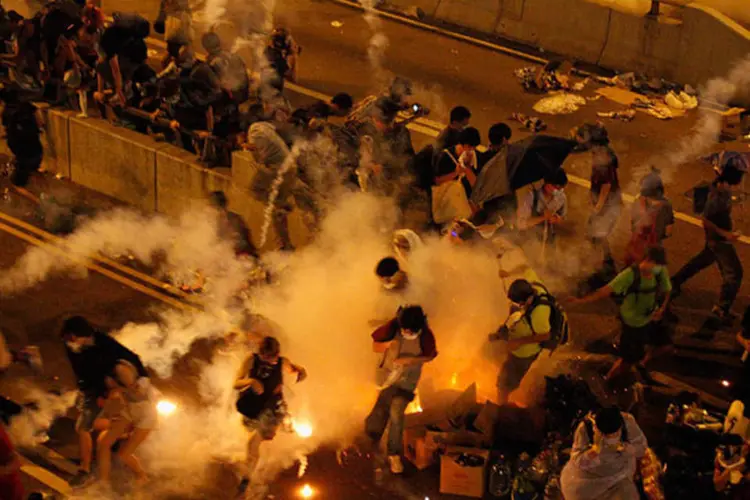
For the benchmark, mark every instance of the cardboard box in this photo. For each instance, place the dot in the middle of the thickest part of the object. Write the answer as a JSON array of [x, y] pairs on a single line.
[[440, 440], [416, 450], [487, 418], [464, 481]]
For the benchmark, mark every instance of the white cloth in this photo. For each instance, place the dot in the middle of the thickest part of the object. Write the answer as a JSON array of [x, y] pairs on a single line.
[[610, 474]]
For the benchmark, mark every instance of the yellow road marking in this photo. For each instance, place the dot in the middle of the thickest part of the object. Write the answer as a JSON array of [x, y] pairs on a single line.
[[46, 477], [99, 258], [95, 267]]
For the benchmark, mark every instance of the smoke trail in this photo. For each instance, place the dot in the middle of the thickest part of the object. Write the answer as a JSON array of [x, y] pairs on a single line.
[[378, 43], [281, 176], [29, 429], [707, 130]]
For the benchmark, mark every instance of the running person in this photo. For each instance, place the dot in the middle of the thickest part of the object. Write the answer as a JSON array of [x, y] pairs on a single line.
[[260, 383], [135, 417]]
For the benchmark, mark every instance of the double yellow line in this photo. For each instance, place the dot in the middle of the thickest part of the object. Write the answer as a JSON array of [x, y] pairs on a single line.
[[127, 276]]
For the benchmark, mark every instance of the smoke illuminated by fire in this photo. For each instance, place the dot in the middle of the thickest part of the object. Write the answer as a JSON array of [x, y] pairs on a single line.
[[415, 406]]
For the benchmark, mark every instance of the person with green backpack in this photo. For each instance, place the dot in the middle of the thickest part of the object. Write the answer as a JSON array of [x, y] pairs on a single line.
[[643, 291]]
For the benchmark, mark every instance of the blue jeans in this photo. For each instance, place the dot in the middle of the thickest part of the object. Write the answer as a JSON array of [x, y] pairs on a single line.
[[389, 411]]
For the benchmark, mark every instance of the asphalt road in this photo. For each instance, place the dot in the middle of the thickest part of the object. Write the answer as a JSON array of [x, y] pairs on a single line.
[[451, 72]]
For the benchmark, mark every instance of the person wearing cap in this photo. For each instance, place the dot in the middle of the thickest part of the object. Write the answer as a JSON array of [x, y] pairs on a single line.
[[93, 357], [644, 290], [406, 343], [719, 247], [603, 461], [651, 218]]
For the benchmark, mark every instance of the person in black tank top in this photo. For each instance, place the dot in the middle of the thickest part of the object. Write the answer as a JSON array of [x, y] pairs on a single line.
[[260, 383]]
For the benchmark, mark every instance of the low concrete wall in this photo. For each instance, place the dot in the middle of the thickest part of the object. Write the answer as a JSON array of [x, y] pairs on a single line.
[[428, 7], [643, 44], [711, 45], [115, 161], [479, 15], [572, 27]]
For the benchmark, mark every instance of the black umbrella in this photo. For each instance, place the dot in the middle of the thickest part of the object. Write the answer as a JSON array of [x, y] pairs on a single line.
[[531, 159]]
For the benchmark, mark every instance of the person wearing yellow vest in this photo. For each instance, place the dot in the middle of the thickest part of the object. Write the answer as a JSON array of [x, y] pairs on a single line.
[[536, 321]]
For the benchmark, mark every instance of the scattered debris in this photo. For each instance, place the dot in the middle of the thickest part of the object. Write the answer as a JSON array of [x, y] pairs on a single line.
[[681, 100], [337, 24], [626, 115], [529, 122], [561, 103], [555, 75], [578, 87]]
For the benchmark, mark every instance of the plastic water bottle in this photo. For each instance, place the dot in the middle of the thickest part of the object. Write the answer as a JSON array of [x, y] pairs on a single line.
[[501, 479]]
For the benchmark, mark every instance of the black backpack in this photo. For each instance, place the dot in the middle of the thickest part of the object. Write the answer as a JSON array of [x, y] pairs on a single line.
[[559, 332]]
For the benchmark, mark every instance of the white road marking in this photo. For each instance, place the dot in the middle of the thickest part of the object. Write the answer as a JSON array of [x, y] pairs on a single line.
[[46, 477]]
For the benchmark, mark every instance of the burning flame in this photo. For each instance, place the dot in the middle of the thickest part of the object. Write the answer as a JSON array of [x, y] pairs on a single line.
[[306, 491], [454, 380], [165, 407], [302, 429], [415, 406]]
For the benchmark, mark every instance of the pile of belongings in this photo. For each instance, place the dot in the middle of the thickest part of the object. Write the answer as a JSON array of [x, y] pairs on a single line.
[[555, 75]]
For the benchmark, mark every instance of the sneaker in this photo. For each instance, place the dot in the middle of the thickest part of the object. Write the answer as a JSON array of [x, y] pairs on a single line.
[[725, 316], [243, 486], [394, 461], [81, 479]]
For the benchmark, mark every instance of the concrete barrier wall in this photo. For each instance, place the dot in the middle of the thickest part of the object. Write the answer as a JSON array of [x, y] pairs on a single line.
[[115, 161], [479, 15], [428, 7], [711, 45], [575, 28], [642, 44]]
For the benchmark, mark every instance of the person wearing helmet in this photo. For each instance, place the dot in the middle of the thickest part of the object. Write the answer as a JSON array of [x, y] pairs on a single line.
[[652, 218], [260, 383]]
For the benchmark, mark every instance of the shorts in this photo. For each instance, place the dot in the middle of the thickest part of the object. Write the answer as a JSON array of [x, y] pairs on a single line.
[[633, 341], [142, 415], [89, 412], [267, 424]]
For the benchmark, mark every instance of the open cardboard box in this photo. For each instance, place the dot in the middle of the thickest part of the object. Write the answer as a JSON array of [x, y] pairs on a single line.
[[456, 479]]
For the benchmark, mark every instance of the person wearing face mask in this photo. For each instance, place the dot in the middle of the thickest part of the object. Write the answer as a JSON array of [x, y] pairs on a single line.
[[260, 383], [407, 343], [93, 357], [536, 321], [603, 460], [391, 276], [541, 210], [643, 291]]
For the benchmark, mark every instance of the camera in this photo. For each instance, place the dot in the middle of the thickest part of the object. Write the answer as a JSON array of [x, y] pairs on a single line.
[[419, 110]]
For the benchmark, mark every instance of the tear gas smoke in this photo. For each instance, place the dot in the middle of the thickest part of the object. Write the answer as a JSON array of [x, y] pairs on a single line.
[[378, 43], [288, 167], [29, 429], [706, 132]]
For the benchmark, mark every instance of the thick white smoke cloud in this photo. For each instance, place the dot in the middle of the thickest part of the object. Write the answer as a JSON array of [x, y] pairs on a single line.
[[29, 428]]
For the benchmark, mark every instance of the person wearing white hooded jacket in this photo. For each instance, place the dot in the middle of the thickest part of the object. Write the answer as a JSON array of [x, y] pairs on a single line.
[[604, 458]]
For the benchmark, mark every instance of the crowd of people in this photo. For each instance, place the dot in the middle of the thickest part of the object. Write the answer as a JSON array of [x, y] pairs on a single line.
[[67, 53]]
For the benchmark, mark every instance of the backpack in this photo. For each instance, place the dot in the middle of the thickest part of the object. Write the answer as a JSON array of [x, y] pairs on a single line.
[[635, 286], [559, 332]]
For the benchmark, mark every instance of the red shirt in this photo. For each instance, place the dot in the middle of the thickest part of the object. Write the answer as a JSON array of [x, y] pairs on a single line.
[[11, 487], [387, 332]]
